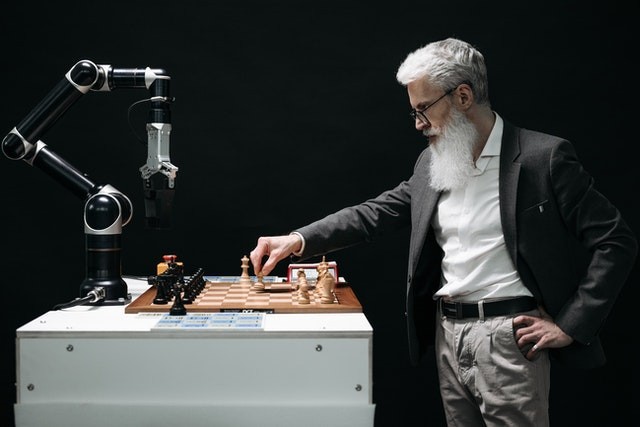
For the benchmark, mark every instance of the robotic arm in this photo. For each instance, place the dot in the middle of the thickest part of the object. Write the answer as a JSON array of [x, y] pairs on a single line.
[[107, 210], [158, 174]]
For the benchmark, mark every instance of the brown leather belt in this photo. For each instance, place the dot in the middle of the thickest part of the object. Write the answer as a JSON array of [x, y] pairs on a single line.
[[464, 310]]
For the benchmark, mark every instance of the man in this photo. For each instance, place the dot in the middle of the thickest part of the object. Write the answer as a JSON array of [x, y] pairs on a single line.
[[514, 256]]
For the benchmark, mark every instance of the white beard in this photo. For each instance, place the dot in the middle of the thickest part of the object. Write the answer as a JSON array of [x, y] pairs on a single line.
[[452, 154]]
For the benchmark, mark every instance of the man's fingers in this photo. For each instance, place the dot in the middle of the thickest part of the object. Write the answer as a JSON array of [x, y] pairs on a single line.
[[258, 253], [276, 248], [269, 265]]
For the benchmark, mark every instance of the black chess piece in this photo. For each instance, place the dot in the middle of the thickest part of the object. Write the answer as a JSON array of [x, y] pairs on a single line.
[[178, 308], [194, 286], [161, 289], [187, 295]]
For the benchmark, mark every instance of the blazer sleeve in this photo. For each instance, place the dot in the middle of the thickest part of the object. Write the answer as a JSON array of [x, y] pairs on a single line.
[[609, 242], [387, 213]]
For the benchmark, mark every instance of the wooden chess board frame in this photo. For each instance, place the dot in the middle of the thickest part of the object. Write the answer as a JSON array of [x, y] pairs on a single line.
[[345, 301]]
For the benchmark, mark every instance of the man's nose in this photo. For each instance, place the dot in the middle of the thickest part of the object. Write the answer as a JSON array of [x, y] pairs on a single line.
[[420, 125]]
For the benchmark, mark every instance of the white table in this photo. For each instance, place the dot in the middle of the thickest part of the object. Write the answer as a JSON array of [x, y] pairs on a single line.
[[97, 366]]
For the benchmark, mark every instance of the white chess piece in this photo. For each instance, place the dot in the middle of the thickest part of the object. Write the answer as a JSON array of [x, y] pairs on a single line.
[[245, 279], [325, 283], [259, 284], [303, 288]]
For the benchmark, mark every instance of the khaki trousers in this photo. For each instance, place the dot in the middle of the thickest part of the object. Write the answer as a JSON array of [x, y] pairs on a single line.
[[485, 380]]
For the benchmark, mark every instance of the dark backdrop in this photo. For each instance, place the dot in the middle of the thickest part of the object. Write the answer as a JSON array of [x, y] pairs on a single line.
[[289, 110]]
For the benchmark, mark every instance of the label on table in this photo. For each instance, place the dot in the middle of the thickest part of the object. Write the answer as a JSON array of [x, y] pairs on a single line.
[[211, 321]]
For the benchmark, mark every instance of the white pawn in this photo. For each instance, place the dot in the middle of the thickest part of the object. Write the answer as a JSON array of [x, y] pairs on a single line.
[[259, 284]]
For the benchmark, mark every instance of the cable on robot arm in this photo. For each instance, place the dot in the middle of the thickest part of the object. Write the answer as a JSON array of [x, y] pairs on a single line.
[[139, 102]]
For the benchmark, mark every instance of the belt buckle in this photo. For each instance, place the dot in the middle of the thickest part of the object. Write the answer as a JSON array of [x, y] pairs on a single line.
[[454, 312]]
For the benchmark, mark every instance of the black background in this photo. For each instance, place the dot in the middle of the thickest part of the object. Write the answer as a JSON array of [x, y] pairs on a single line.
[[286, 111]]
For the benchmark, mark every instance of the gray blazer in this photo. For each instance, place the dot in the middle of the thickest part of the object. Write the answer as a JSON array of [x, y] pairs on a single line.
[[569, 244]]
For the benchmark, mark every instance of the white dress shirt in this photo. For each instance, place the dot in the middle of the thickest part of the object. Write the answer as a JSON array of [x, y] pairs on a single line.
[[476, 265]]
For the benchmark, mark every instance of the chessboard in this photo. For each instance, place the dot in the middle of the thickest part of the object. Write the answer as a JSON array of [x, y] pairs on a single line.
[[276, 297]]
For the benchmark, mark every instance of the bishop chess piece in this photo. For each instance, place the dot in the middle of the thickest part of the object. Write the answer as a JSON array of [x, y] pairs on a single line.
[[303, 288]]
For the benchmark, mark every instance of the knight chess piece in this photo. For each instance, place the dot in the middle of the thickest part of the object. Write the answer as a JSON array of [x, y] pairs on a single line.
[[326, 282]]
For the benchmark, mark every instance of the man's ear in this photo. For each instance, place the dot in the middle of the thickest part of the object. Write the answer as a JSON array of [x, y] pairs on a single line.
[[463, 96]]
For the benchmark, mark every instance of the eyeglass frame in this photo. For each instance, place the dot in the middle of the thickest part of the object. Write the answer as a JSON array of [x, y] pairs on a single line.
[[420, 114]]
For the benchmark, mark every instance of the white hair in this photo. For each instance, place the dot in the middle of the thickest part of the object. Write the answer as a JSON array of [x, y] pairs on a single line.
[[446, 64]]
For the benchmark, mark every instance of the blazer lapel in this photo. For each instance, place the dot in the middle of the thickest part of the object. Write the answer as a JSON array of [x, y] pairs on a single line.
[[426, 202], [508, 187]]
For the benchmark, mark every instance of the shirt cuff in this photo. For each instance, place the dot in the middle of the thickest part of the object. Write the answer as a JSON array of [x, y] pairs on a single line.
[[301, 251]]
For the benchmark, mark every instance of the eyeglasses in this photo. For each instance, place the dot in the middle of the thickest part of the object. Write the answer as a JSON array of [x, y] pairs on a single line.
[[421, 114]]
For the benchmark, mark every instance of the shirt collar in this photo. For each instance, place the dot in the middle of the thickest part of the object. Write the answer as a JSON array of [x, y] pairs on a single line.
[[492, 147]]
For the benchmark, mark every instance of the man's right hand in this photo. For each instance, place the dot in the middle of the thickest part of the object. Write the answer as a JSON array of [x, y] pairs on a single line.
[[276, 248]]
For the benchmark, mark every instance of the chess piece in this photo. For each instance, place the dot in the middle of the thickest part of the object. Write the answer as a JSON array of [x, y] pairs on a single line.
[[321, 270], [161, 289], [259, 284], [326, 282], [178, 308], [245, 279], [168, 260], [303, 288], [192, 287]]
